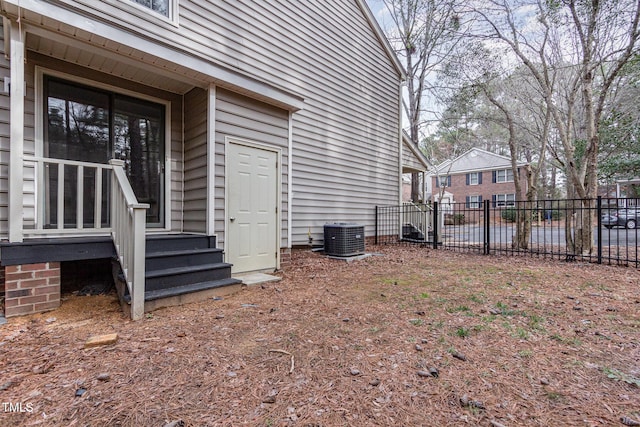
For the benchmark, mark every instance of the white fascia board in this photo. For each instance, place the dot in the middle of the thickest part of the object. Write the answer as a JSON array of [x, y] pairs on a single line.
[[382, 38], [416, 152], [217, 73]]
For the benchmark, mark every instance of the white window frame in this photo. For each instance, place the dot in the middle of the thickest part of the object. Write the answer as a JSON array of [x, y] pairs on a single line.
[[505, 200], [144, 12], [41, 72], [444, 181], [474, 202], [474, 178], [507, 175]]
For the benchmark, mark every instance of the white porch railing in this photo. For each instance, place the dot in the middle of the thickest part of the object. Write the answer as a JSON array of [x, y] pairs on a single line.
[[50, 217], [419, 216], [128, 225], [125, 220]]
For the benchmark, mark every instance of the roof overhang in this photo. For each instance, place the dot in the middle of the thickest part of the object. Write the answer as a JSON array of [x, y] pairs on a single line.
[[417, 154], [46, 19]]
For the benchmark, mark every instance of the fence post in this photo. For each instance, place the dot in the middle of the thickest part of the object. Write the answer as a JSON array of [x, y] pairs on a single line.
[[376, 225], [599, 230], [487, 229], [436, 222]]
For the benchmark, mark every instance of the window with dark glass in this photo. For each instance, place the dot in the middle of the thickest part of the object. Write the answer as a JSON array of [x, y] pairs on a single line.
[[502, 200]]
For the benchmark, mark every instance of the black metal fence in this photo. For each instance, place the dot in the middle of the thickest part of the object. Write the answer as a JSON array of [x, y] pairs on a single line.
[[598, 230]]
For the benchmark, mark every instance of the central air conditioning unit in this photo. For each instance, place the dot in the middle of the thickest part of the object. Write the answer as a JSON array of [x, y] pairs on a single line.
[[343, 239]]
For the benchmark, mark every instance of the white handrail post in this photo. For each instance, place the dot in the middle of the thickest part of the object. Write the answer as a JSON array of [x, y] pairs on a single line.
[[137, 293], [128, 226]]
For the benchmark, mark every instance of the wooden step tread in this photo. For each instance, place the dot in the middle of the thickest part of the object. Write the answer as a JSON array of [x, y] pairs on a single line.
[[182, 252], [185, 289], [185, 270]]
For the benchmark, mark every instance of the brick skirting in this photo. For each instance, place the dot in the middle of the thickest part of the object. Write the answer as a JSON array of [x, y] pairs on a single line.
[[31, 288]]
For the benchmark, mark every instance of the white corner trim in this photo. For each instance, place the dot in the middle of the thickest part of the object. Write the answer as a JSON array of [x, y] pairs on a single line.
[[211, 161], [16, 134]]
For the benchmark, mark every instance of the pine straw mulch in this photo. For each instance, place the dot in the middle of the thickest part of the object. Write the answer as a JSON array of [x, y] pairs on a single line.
[[513, 341]]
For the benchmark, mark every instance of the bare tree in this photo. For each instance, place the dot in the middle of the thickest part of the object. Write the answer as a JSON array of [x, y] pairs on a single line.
[[504, 97], [575, 50], [424, 32]]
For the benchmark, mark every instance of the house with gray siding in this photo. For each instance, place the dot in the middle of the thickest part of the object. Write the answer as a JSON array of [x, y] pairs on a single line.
[[184, 141]]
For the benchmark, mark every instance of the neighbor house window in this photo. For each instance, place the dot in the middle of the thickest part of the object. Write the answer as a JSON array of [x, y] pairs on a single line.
[[503, 175], [443, 181], [474, 202], [474, 178], [503, 200], [163, 7]]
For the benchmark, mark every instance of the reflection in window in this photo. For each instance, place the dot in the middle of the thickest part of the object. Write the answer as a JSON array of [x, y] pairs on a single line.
[[159, 6], [501, 200], [93, 126], [504, 175]]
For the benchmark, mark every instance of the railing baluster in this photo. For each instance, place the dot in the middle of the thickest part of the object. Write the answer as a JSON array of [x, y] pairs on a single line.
[[60, 194], [80, 198], [41, 203], [97, 204]]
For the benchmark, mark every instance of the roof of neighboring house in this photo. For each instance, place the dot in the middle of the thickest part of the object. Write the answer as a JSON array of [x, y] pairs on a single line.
[[474, 160], [628, 181], [413, 160]]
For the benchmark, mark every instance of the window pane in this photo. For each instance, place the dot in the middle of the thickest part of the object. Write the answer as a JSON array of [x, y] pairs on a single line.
[[89, 125], [160, 6], [139, 141], [77, 129], [77, 123]]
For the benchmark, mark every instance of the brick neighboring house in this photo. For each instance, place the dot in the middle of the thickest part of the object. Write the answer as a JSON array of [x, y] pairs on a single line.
[[478, 175]]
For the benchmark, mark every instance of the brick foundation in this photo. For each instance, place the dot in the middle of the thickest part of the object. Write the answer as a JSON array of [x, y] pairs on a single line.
[[31, 288]]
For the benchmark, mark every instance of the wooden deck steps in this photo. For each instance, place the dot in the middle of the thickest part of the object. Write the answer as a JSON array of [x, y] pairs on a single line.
[[181, 268]]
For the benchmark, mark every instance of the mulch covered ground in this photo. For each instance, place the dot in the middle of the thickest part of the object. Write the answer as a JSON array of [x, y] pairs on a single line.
[[410, 337]]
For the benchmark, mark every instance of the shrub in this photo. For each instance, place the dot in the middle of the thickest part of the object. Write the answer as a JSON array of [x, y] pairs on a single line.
[[454, 219], [509, 214]]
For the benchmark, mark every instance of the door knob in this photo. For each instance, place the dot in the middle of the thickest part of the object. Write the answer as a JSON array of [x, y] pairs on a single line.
[[232, 218]]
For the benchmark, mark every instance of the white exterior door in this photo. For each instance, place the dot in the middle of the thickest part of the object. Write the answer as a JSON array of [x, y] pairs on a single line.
[[252, 234]]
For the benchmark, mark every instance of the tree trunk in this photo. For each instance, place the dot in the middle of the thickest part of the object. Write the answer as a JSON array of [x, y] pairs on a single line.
[[415, 188]]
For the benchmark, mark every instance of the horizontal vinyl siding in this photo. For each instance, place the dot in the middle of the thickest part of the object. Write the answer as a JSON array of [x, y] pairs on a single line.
[[346, 155], [4, 143], [345, 158], [176, 162], [243, 118], [345, 145], [195, 161]]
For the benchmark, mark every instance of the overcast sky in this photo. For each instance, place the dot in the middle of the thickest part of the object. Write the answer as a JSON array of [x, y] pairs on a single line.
[[380, 11]]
